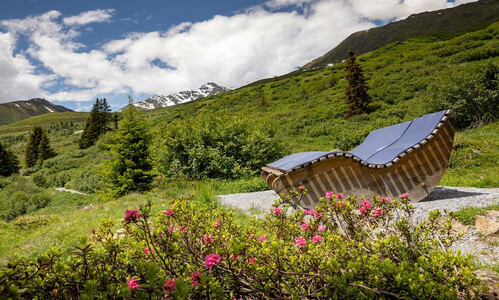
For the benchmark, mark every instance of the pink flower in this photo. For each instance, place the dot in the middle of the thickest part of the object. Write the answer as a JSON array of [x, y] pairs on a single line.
[[366, 204], [339, 196], [316, 214], [132, 215], [235, 257], [362, 210], [404, 196], [211, 260], [168, 212], [276, 210], [195, 279], [306, 212], [132, 283], [300, 242], [182, 229], [250, 260], [377, 212], [208, 239], [262, 238], [170, 229], [170, 285], [316, 239], [217, 223], [147, 251], [301, 188], [321, 228], [329, 194], [384, 199], [304, 226], [340, 204]]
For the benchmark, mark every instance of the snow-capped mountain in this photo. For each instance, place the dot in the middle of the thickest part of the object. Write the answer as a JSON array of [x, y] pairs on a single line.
[[158, 101]]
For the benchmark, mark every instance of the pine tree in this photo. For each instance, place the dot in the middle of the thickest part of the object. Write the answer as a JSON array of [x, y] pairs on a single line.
[[97, 123], [9, 164], [44, 150], [31, 152], [130, 166], [357, 97]]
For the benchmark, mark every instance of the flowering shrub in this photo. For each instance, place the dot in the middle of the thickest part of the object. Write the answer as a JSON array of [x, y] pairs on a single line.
[[358, 250]]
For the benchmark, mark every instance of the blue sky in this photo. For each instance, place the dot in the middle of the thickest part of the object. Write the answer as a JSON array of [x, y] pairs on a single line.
[[71, 52]]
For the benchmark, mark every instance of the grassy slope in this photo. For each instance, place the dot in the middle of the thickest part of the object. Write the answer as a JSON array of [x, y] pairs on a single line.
[[44, 120]]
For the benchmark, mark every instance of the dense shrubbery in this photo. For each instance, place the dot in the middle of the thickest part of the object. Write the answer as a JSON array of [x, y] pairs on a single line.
[[215, 147], [472, 94], [341, 249], [20, 197]]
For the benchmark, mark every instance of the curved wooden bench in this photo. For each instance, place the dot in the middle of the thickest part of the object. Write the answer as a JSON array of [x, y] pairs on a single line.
[[409, 157]]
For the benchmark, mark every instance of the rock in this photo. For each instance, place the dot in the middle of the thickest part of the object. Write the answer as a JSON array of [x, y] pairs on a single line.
[[88, 207], [492, 213], [491, 280], [459, 227], [487, 225]]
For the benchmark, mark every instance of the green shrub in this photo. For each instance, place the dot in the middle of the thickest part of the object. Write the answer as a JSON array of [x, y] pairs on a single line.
[[20, 197], [472, 94], [215, 147], [341, 249]]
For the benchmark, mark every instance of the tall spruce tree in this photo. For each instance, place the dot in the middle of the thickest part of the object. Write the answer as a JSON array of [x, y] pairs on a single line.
[[97, 123], [130, 166], [357, 97], [32, 154], [9, 164]]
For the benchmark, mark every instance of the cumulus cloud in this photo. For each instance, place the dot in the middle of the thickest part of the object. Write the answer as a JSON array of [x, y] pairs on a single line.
[[262, 41], [92, 16]]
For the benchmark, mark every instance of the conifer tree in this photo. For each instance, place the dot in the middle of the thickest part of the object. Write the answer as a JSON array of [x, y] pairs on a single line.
[[38, 140], [357, 97], [9, 164], [130, 166], [97, 123]]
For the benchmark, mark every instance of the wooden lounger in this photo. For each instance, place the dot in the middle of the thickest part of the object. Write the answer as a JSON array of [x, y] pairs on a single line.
[[409, 157]]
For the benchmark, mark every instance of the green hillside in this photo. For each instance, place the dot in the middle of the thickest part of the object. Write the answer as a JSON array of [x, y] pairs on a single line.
[[45, 120], [445, 22]]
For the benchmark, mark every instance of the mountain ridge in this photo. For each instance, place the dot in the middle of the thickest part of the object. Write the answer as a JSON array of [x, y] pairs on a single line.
[[159, 101], [462, 18], [23, 109]]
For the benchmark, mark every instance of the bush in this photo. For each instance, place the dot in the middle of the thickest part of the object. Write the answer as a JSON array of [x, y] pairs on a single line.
[[473, 95], [20, 197], [341, 249], [215, 147]]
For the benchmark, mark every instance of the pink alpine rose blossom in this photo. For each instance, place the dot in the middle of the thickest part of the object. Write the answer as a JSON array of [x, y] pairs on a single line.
[[329, 194], [339, 196], [404, 196], [195, 279], [276, 210], [366, 204], [340, 204], [362, 210], [217, 223], [300, 242], [170, 285], [377, 212], [132, 283], [211, 260], [182, 229], [235, 257], [384, 199], [304, 226], [321, 228], [168, 212], [250, 260], [207, 239], [316, 239], [170, 229], [147, 251], [262, 238], [131, 215]]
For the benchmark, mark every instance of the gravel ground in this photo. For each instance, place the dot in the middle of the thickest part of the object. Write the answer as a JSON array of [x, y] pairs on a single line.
[[449, 198]]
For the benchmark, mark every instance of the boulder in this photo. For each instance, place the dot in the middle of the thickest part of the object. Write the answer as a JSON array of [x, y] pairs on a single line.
[[487, 225]]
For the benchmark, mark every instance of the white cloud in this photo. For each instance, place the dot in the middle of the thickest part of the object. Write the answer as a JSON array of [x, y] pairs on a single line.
[[92, 16], [229, 50]]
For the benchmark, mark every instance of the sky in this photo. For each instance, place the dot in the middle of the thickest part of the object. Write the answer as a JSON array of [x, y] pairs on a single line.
[[71, 52]]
